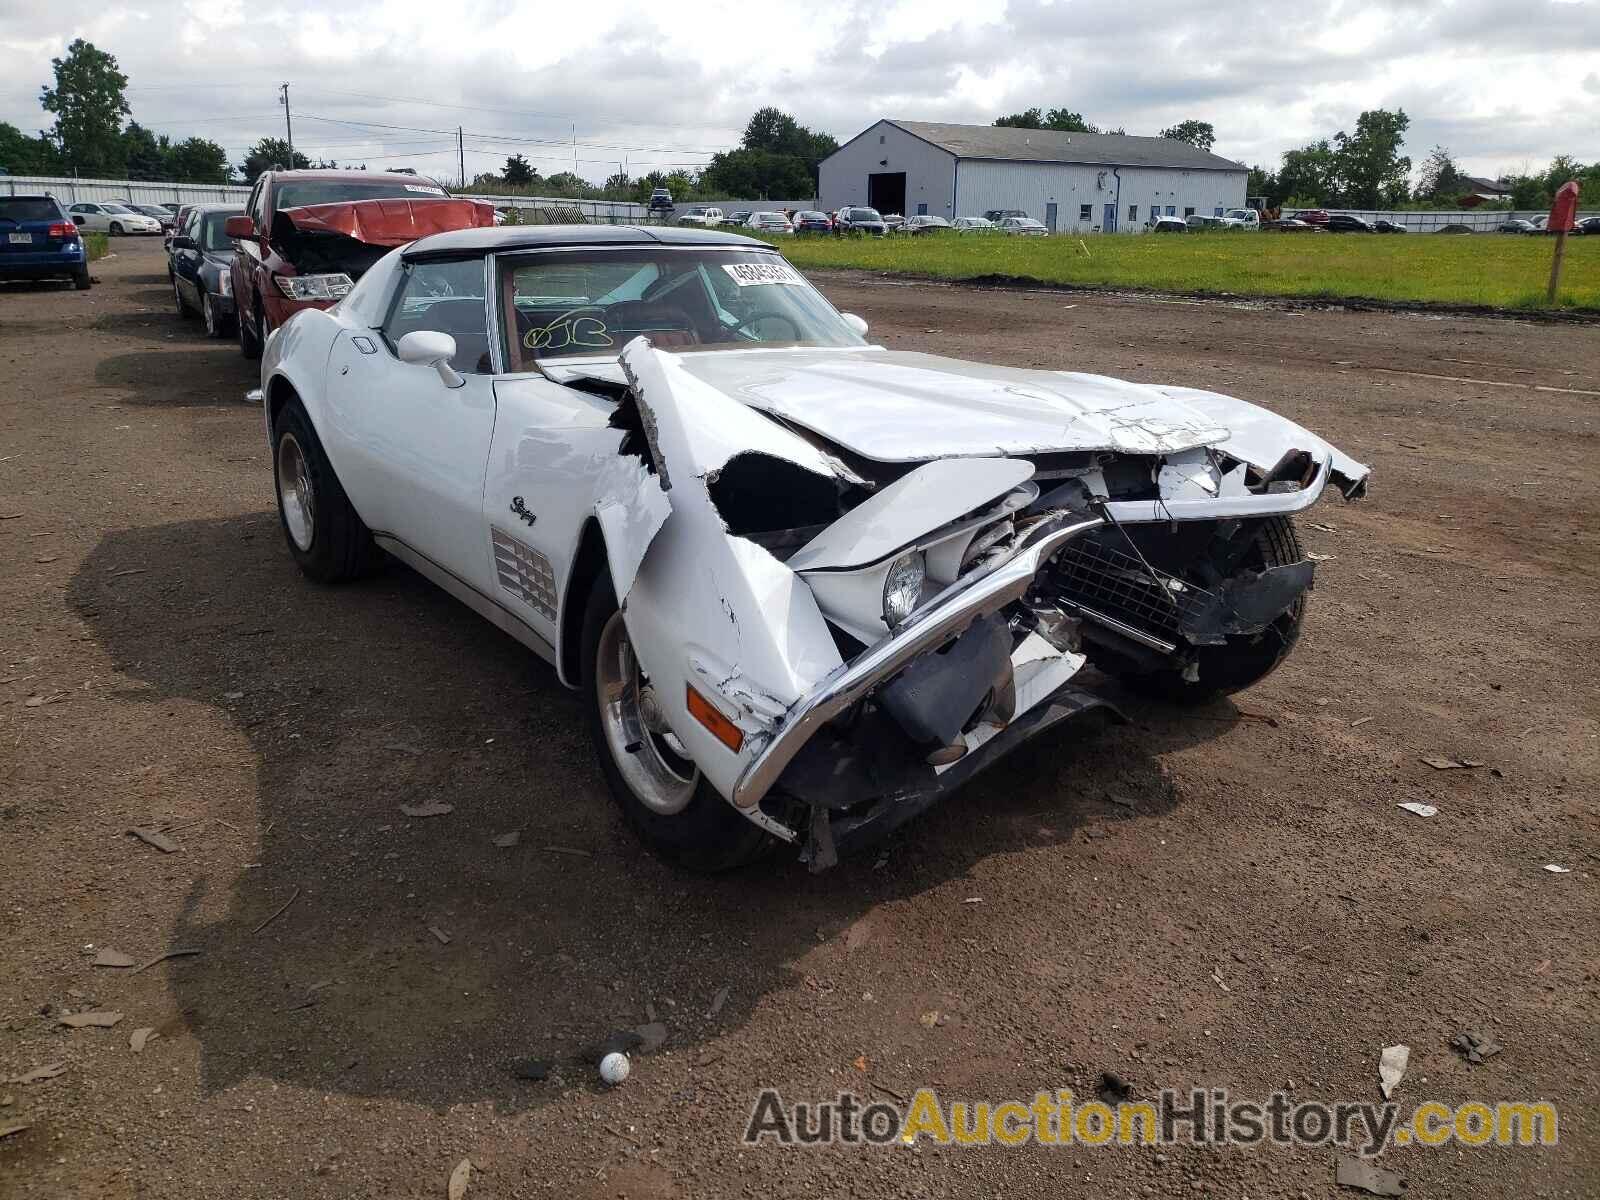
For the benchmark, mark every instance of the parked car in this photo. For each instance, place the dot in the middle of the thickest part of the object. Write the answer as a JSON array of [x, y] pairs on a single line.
[[1290, 225], [995, 216], [1454, 227], [307, 236], [660, 201], [1589, 225], [115, 219], [770, 222], [1021, 227], [703, 215], [177, 222], [1244, 218], [809, 220], [200, 265], [172, 208], [972, 225], [1312, 216], [39, 241], [855, 219], [1383, 225], [801, 596], [1168, 225], [1515, 225], [161, 213], [924, 224], [1207, 223], [737, 218], [1346, 223]]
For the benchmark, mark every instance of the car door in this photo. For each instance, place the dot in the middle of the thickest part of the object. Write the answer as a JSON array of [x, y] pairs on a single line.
[[411, 449], [186, 261]]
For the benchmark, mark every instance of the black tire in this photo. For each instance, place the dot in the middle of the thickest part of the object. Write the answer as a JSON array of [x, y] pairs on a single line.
[[184, 311], [116, 229], [340, 545], [80, 279], [708, 836], [216, 322], [249, 343], [1247, 659]]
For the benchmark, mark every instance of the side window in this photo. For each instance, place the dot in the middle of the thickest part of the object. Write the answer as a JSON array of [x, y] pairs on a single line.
[[1085, 212], [1188, 212], [1217, 212], [1133, 212], [253, 205], [445, 297]]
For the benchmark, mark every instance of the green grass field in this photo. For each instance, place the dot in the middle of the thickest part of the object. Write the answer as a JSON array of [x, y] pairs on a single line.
[[1501, 270], [96, 245]]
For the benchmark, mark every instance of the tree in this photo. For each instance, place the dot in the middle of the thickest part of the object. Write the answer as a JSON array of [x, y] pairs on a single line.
[[565, 183], [89, 101], [617, 185], [1310, 172], [1264, 183], [146, 155], [24, 155], [1196, 133], [1441, 181], [777, 159], [1062, 120], [1369, 167], [1031, 118], [517, 172], [267, 154], [196, 160]]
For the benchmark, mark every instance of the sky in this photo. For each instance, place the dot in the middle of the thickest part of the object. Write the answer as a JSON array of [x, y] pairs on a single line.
[[1505, 86]]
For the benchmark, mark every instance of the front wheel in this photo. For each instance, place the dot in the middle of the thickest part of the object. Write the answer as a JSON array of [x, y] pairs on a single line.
[[249, 343], [177, 296], [1245, 659], [662, 795], [325, 535], [216, 322], [116, 229]]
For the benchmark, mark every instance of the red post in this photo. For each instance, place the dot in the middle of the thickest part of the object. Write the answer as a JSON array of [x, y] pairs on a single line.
[[1560, 222]]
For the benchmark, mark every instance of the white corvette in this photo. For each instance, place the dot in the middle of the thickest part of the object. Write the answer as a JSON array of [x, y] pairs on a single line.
[[807, 585]]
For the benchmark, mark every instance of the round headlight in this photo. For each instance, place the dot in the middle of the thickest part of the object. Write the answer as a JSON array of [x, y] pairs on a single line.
[[902, 588]]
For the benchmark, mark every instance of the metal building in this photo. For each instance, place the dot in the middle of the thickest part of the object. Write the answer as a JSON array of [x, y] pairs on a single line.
[[1073, 182]]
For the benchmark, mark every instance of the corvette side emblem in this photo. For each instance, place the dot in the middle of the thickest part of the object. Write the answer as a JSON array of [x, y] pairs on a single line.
[[521, 509]]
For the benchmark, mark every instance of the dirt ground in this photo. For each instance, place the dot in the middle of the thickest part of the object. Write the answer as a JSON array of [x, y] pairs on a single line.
[[1227, 898]]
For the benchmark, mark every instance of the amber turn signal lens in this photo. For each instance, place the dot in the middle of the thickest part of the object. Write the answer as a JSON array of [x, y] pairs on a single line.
[[724, 730]]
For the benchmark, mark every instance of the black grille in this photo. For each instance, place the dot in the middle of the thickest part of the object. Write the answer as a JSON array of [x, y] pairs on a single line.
[[1116, 584]]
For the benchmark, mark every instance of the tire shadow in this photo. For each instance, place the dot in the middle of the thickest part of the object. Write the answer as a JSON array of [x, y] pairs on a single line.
[[416, 956]]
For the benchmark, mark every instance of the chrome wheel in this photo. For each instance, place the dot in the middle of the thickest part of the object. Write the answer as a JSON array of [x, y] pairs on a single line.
[[297, 498], [177, 296], [647, 754]]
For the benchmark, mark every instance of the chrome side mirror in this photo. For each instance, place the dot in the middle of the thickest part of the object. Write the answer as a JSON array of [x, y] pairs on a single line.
[[429, 348], [855, 323]]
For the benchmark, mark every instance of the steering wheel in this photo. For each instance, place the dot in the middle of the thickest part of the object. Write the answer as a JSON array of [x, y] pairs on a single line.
[[767, 314]]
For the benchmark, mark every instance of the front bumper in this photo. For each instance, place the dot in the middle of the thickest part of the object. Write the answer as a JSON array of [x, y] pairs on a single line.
[[941, 619]]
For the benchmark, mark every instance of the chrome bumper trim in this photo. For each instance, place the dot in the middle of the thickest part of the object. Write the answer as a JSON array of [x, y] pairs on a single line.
[[947, 615]]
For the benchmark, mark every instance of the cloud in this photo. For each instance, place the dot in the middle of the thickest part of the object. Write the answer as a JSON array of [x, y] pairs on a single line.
[[666, 88]]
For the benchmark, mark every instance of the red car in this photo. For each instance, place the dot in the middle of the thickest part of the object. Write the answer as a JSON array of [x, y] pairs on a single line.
[[307, 236], [1313, 216]]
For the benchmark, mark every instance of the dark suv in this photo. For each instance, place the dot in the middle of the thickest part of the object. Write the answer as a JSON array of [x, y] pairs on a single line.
[[307, 236], [39, 241], [852, 219]]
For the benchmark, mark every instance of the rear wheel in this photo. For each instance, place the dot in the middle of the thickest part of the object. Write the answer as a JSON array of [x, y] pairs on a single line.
[[80, 279], [1246, 659], [661, 793], [325, 535]]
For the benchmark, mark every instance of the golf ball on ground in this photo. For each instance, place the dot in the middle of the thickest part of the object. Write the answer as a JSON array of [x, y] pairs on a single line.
[[614, 1068]]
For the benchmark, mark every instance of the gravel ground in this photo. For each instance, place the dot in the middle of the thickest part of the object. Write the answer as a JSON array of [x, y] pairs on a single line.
[[1226, 898]]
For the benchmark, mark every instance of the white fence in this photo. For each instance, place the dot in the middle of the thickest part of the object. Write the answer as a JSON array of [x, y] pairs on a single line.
[[1429, 220], [137, 191]]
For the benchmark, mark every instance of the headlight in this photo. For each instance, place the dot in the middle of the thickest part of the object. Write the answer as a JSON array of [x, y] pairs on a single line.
[[225, 281], [902, 588], [314, 287]]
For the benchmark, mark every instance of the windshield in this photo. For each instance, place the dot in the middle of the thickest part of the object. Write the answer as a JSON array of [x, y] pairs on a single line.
[[596, 301], [864, 214], [118, 208], [211, 235], [334, 191]]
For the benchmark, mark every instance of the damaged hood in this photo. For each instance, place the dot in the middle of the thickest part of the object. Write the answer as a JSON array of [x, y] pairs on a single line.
[[895, 406], [391, 222]]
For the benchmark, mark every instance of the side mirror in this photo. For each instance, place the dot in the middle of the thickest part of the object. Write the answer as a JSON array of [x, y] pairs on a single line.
[[855, 323], [183, 243], [243, 228], [428, 348]]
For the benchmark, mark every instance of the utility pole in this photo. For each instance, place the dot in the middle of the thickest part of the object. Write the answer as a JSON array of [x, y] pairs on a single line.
[[288, 125], [461, 157]]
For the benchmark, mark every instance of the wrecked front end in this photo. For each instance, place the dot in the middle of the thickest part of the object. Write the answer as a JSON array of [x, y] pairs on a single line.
[[837, 642]]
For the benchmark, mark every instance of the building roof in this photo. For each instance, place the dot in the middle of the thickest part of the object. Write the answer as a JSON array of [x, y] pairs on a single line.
[[1498, 187], [1050, 145]]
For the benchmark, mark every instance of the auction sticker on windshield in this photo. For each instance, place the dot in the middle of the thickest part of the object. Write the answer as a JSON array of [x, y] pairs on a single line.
[[747, 274]]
